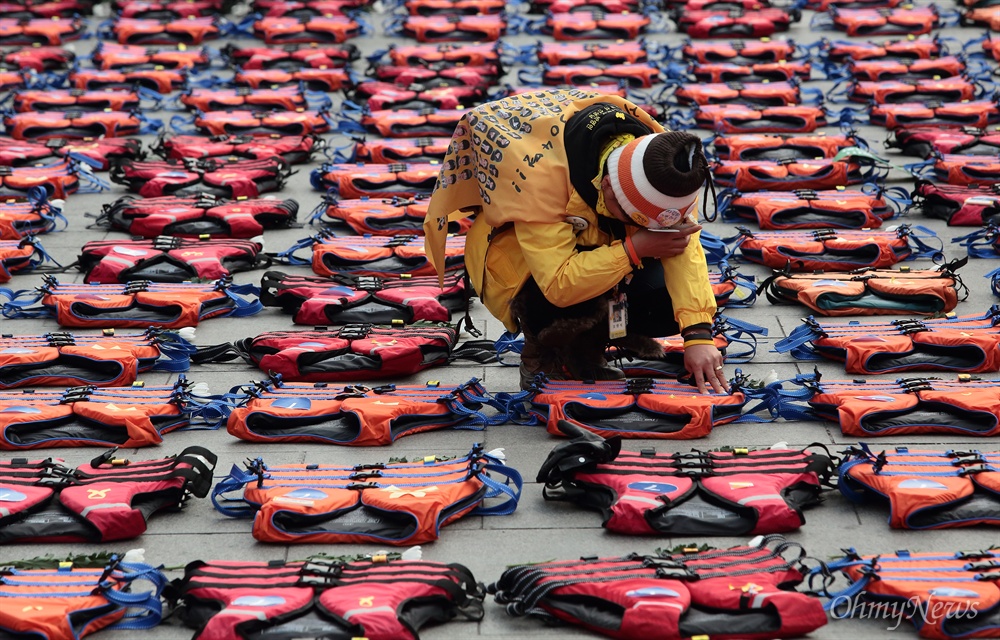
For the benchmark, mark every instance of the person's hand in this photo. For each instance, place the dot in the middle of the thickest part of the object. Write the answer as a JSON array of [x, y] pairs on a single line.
[[704, 362], [654, 244]]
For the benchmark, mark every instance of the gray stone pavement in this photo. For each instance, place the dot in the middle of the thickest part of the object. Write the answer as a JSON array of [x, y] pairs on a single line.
[[538, 530]]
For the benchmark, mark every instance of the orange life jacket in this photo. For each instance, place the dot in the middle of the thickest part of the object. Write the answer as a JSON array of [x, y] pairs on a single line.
[[376, 180], [190, 31], [947, 595], [966, 406], [953, 343], [109, 499], [70, 603], [735, 491], [397, 503], [871, 291], [635, 408], [277, 411], [292, 58], [136, 416], [23, 216], [834, 250], [761, 72], [307, 30], [979, 114], [139, 304], [752, 146], [809, 209], [925, 489], [162, 81], [402, 255], [732, 118], [107, 360], [879, 22], [388, 151], [109, 55], [323, 79], [741, 51]]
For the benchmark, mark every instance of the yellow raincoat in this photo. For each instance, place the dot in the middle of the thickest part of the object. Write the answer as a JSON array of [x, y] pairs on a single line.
[[507, 165]]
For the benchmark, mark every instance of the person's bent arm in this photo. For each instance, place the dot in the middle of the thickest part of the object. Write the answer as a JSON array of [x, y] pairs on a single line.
[[564, 275]]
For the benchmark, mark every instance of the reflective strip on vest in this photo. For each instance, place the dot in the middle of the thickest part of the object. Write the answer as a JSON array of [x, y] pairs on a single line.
[[765, 496], [354, 612], [642, 499], [111, 505]]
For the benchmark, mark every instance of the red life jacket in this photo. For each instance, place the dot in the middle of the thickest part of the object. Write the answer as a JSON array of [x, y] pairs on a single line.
[[282, 99], [564, 53], [826, 5], [380, 256], [40, 59], [307, 30], [68, 604], [167, 259], [587, 25], [959, 205], [290, 9], [190, 31], [453, 7], [725, 24], [37, 32], [807, 209], [137, 305], [75, 99], [262, 123], [568, 6], [171, 10], [19, 255], [740, 51], [389, 217], [326, 80], [384, 503], [791, 174], [291, 149], [215, 176], [359, 351], [107, 360], [439, 75], [926, 142], [466, 54], [160, 80], [12, 79], [751, 146], [373, 598], [992, 47], [459, 28], [109, 55], [756, 94], [985, 16], [735, 491], [832, 249], [732, 118], [879, 21], [99, 153], [109, 499], [293, 57], [376, 180], [28, 9], [953, 343], [918, 69], [73, 124], [904, 49], [761, 72], [670, 595], [347, 299], [135, 416], [871, 291], [388, 151], [412, 123], [948, 594], [669, 365], [32, 215], [635, 408], [966, 170], [635, 75], [380, 96], [925, 489], [954, 89], [197, 216]]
